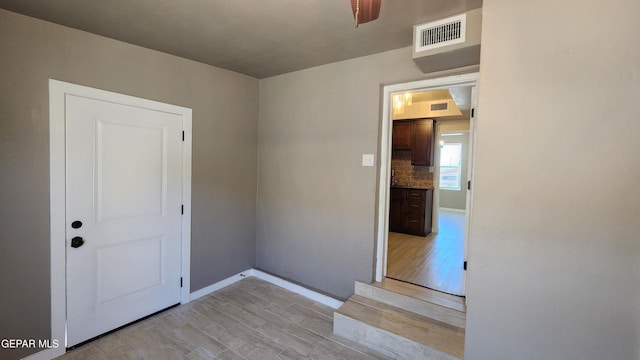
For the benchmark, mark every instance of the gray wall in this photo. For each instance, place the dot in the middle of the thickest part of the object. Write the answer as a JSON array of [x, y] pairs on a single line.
[[457, 199], [225, 112], [554, 269], [554, 266], [316, 203]]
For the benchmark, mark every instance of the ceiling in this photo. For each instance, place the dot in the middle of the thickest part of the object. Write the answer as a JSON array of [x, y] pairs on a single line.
[[458, 97], [260, 38], [461, 96]]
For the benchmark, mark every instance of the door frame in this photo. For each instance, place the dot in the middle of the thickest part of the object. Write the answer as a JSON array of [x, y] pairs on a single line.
[[382, 227], [58, 91], [436, 184]]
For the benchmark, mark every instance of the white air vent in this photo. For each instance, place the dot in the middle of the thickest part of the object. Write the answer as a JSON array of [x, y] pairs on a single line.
[[440, 106], [439, 33], [449, 43]]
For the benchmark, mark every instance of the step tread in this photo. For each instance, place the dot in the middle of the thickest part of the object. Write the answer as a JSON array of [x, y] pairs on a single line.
[[453, 302], [434, 334]]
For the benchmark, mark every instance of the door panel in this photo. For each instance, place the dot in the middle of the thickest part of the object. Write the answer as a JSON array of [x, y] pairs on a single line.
[[142, 258], [121, 192], [124, 181]]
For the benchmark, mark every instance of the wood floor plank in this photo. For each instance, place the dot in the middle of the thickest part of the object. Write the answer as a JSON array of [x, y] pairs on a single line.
[[419, 292], [251, 319], [434, 261]]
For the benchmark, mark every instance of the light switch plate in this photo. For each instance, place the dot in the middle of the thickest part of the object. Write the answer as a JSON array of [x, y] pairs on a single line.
[[368, 160]]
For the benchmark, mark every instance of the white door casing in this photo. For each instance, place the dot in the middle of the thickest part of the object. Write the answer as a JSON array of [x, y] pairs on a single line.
[[470, 167], [436, 182], [120, 166], [388, 91]]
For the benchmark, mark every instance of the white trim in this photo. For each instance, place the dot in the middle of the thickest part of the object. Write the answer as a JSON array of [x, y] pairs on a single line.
[[461, 211], [287, 285], [300, 290], [385, 154], [57, 215], [221, 284], [46, 354], [470, 175], [57, 93], [185, 294]]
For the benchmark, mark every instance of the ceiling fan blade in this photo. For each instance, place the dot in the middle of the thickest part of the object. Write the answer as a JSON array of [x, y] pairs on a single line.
[[369, 10]]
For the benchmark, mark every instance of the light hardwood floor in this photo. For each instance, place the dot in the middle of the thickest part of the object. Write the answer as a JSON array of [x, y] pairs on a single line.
[[440, 298], [434, 261], [250, 319]]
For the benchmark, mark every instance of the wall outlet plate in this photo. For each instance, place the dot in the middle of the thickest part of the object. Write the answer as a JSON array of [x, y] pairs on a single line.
[[368, 160]]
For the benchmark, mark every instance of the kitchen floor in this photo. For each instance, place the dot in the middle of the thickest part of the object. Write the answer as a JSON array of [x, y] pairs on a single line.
[[434, 261]]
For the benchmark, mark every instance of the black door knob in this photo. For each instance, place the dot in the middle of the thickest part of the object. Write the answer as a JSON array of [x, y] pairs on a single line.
[[76, 242], [76, 224]]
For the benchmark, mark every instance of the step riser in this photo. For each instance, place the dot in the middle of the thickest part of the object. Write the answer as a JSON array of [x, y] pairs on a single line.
[[420, 307], [384, 342]]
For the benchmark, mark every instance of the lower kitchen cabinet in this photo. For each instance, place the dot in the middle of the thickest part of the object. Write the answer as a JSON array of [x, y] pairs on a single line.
[[410, 211]]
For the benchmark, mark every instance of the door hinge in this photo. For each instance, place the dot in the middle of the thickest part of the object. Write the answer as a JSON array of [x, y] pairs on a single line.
[[473, 112], [180, 282], [182, 209], [183, 136], [468, 184], [464, 266]]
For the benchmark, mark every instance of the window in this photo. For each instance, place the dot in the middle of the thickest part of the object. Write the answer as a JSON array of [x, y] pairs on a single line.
[[450, 166]]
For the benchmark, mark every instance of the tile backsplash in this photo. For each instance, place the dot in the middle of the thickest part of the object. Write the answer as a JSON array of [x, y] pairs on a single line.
[[406, 174]]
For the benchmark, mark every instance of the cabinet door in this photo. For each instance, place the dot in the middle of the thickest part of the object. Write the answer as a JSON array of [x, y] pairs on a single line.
[[401, 135], [422, 142], [396, 210], [415, 225]]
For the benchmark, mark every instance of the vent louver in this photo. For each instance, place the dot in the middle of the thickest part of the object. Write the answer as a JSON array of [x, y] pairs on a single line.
[[439, 106], [444, 32]]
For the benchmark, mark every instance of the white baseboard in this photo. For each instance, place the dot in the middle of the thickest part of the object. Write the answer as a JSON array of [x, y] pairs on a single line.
[[221, 284], [300, 290], [47, 354]]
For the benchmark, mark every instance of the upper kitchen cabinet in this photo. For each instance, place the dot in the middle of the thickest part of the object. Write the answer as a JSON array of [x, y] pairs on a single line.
[[422, 139], [401, 135], [416, 136]]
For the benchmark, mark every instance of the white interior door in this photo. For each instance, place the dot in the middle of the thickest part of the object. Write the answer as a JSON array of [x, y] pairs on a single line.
[[123, 183], [469, 198]]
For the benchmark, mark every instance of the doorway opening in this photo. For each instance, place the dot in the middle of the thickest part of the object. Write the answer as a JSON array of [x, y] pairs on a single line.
[[434, 256]]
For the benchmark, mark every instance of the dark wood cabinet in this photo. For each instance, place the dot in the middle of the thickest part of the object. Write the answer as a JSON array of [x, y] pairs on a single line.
[[396, 210], [416, 136], [422, 139], [401, 135], [410, 211]]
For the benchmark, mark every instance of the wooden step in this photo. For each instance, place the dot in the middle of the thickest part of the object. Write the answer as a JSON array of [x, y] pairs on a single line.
[[443, 307], [397, 333]]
